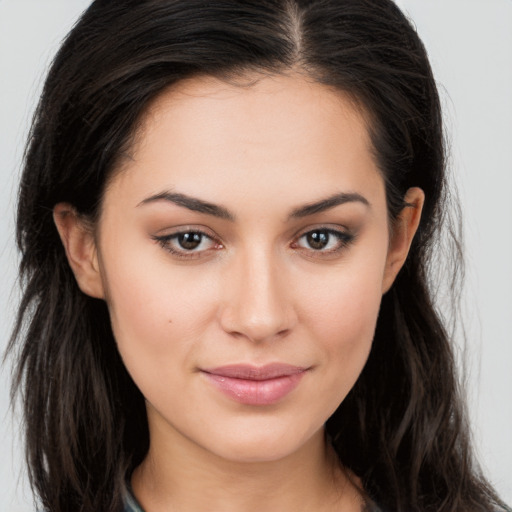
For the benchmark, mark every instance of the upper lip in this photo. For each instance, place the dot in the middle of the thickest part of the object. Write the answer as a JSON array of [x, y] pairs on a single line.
[[252, 372]]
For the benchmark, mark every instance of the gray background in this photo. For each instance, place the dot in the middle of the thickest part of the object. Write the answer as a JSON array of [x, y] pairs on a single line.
[[470, 45]]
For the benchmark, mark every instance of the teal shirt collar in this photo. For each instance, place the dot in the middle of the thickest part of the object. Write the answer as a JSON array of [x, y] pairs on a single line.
[[130, 503]]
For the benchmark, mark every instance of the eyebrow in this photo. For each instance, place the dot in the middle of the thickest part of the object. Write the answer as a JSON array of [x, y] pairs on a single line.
[[198, 205], [328, 203], [191, 203]]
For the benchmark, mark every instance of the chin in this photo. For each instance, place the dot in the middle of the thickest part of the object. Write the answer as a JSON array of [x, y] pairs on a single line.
[[262, 446]]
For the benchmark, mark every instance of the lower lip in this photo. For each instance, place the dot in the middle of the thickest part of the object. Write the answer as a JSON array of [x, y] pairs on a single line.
[[256, 392]]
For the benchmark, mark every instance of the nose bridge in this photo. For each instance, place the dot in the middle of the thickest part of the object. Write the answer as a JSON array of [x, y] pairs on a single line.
[[257, 305]]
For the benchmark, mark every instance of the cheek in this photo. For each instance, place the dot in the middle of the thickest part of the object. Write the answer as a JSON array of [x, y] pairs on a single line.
[[342, 313], [343, 308], [158, 314]]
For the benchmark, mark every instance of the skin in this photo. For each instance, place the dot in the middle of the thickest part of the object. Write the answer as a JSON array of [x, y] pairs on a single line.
[[253, 291]]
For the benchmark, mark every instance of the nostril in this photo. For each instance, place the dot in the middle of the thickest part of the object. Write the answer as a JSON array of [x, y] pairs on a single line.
[[257, 328]]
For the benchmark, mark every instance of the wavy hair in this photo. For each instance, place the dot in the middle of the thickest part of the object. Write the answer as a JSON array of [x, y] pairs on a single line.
[[402, 429]]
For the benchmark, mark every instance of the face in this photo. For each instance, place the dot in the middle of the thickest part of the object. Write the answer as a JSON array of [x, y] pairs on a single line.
[[243, 250]]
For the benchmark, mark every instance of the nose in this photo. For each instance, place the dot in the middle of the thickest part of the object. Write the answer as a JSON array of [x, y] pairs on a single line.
[[257, 300]]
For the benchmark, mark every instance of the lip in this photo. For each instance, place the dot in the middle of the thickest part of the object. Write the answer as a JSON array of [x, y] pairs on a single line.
[[255, 385]]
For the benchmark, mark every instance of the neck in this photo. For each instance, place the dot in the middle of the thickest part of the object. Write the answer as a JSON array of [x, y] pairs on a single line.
[[182, 476]]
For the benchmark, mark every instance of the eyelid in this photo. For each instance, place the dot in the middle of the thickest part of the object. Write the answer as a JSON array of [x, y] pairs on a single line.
[[345, 236], [164, 240], [185, 228]]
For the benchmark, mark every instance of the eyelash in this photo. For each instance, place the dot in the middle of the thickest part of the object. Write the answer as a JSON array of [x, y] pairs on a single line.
[[165, 242], [344, 239]]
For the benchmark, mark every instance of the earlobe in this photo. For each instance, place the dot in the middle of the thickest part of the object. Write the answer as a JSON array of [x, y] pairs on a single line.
[[80, 247], [404, 229]]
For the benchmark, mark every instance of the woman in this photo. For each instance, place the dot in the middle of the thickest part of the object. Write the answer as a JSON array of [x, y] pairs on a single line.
[[226, 219]]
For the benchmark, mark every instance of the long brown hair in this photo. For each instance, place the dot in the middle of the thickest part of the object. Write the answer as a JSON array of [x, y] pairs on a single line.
[[402, 428]]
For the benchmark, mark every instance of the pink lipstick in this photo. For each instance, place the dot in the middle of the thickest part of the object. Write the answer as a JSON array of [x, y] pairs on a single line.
[[255, 385]]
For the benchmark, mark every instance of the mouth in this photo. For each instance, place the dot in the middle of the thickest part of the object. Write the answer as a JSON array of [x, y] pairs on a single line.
[[255, 385]]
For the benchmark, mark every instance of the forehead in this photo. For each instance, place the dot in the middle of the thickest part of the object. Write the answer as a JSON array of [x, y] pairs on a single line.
[[256, 108], [213, 138]]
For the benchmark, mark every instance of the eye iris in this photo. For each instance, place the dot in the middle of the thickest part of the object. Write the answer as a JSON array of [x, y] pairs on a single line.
[[318, 239], [190, 241]]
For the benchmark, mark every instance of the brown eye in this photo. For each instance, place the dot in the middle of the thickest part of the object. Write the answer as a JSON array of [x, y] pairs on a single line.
[[325, 241], [189, 241], [318, 240], [185, 244]]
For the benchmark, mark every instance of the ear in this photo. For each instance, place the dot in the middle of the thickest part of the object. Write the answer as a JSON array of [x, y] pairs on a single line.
[[80, 246], [403, 231]]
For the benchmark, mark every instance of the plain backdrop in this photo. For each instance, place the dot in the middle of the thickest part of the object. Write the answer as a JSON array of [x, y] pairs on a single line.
[[470, 45]]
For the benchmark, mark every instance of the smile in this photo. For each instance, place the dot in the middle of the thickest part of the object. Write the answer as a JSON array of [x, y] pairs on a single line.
[[251, 385]]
